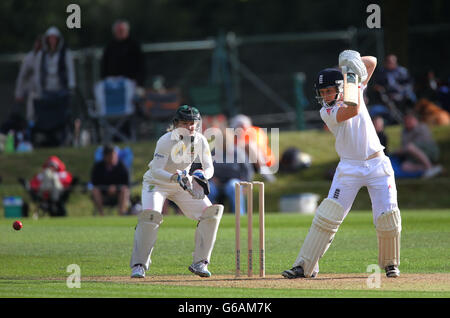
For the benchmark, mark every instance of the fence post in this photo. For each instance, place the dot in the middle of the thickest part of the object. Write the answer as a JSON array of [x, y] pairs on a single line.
[[300, 99]]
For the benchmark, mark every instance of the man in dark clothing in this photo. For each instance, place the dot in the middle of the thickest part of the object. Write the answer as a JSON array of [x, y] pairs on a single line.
[[110, 179], [123, 55], [396, 82]]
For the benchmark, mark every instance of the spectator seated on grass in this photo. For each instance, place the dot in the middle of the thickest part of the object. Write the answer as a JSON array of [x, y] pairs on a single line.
[[256, 144], [110, 182], [419, 153], [395, 81], [228, 173], [51, 187]]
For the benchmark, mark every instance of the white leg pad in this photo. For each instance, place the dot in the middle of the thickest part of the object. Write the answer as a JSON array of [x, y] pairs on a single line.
[[328, 218], [145, 237], [206, 232], [389, 227]]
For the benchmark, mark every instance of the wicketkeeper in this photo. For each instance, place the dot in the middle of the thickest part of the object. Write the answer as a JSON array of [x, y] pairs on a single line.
[[168, 178], [362, 163]]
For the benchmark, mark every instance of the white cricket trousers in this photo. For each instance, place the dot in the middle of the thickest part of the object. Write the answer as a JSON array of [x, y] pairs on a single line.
[[153, 197], [376, 174]]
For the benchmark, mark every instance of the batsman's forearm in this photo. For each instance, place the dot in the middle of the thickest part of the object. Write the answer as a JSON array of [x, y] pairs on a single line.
[[371, 63]]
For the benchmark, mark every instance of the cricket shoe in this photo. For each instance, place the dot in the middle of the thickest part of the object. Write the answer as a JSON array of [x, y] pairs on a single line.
[[392, 271], [138, 271], [200, 269], [295, 272]]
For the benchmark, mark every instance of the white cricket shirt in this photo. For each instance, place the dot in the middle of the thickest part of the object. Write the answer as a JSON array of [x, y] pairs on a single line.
[[356, 138], [174, 153]]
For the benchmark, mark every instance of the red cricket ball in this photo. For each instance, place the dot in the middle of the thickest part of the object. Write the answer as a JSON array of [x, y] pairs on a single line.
[[17, 225]]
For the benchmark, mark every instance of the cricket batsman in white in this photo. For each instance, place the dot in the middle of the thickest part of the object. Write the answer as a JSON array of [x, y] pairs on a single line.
[[168, 178], [362, 163]]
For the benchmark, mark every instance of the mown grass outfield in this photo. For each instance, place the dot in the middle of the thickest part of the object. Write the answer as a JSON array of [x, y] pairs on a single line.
[[34, 260]]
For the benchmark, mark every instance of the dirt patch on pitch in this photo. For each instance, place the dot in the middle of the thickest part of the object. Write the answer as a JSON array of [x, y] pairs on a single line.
[[406, 282]]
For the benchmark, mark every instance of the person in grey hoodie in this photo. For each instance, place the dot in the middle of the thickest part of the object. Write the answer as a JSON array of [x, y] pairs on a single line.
[[55, 84], [55, 71]]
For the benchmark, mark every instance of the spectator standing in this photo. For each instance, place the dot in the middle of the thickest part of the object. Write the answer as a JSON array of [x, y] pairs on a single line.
[[123, 55], [55, 84], [55, 71], [110, 179], [25, 83]]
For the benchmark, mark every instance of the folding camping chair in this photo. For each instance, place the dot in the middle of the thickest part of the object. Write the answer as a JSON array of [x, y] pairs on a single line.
[[114, 109]]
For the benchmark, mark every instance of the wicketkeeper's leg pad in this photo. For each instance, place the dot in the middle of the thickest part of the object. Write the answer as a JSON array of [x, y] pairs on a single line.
[[145, 237], [206, 232], [389, 227], [329, 216]]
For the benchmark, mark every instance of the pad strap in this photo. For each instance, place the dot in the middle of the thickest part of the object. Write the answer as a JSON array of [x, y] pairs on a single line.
[[150, 216]]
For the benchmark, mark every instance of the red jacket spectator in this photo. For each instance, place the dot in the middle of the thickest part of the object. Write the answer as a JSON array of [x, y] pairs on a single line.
[[55, 169]]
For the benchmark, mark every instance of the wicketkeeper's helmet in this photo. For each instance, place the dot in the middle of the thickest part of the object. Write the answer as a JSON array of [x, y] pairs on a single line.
[[187, 113], [327, 78]]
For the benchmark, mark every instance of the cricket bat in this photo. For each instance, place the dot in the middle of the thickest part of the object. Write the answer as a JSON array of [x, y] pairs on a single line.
[[350, 87]]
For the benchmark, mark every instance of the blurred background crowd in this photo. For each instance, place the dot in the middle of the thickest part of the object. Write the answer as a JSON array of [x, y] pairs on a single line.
[[122, 74]]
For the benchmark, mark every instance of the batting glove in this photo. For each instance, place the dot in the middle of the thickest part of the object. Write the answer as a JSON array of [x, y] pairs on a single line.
[[352, 60]]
